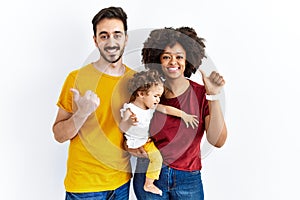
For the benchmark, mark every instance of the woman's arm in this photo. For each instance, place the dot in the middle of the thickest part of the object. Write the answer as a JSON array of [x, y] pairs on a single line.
[[138, 152], [188, 119], [129, 119], [216, 131]]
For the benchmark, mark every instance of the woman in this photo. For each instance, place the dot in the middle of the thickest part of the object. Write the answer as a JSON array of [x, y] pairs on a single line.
[[146, 88], [177, 53]]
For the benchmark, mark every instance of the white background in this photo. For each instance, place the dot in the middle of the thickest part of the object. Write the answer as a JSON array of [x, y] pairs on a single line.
[[253, 43]]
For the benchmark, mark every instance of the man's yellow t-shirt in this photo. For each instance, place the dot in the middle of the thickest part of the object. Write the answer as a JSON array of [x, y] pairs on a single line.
[[96, 158]]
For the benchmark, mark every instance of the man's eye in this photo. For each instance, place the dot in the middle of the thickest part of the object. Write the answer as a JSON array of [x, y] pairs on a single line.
[[166, 57], [179, 57], [104, 37], [117, 36]]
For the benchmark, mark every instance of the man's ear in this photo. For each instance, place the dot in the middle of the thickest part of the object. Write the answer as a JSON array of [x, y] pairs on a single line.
[[95, 41], [126, 39]]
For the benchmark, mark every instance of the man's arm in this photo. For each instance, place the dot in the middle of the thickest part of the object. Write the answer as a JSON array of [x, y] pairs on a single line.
[[64, 127], [67, 125]]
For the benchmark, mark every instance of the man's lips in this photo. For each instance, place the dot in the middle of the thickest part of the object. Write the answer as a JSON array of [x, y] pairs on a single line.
[[111, 49]]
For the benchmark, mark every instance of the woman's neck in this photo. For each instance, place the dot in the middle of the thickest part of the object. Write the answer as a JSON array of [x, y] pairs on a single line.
[[176, 87]]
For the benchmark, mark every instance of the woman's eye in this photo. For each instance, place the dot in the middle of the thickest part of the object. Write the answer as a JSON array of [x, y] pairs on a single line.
[[166, 57]]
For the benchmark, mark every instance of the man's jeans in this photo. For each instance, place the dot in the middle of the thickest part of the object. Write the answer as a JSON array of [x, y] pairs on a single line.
[[121, 193], [175, 184]]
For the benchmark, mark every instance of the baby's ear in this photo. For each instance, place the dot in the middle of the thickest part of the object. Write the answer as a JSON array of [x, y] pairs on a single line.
[[140, 93]]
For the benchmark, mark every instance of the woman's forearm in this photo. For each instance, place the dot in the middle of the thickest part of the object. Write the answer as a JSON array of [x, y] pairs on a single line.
[[216, 130]]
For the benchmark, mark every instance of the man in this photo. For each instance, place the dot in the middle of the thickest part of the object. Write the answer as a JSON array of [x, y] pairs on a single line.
[[97, 165]]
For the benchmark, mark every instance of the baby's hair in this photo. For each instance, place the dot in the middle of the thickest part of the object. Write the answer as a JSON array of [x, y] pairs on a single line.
[[142, 81]]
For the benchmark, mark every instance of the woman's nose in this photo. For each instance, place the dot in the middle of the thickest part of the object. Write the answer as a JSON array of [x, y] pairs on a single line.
[[173, 60]]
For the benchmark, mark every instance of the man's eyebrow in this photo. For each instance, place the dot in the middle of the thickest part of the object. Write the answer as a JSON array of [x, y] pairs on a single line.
[[118, 32], [105, 32]]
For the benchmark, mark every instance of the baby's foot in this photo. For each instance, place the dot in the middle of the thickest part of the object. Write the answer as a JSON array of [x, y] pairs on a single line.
[[152, 188]]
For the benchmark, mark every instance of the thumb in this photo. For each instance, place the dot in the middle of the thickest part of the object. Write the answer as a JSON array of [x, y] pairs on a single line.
[[75, 94], [203, 75]]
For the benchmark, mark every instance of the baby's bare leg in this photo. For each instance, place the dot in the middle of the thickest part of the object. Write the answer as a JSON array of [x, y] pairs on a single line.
[[150, 187]]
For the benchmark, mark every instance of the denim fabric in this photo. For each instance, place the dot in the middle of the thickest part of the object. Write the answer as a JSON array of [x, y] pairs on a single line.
[[175, 184], [121, 193]]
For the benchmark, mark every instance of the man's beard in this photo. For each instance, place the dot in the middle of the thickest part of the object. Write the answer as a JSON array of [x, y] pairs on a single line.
[[102, 54]]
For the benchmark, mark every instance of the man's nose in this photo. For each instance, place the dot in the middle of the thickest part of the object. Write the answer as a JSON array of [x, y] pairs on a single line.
[[111, 41]]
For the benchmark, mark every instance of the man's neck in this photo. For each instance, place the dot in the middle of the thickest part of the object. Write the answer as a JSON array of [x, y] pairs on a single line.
[[112, 69]]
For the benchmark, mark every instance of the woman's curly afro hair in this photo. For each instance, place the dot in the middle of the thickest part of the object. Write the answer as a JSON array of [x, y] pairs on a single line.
[[159, 39]]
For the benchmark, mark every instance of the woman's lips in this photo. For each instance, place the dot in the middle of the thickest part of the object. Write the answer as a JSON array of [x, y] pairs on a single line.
[[172, 69]]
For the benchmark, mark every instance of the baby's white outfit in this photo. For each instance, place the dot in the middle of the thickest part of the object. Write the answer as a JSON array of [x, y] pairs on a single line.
[[138, 135]]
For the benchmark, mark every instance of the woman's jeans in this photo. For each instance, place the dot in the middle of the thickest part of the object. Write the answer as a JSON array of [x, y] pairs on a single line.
[[121, 193], [175, 184]]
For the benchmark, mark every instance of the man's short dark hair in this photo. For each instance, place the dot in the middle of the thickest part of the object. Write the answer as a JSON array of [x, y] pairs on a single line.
[[110, 13]]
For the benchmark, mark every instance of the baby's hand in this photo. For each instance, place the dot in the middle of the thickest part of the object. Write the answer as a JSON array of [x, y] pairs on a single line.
[[190, 120], [130, 118], [133, 120]]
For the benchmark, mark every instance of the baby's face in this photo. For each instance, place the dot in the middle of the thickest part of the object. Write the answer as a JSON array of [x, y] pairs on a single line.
[[153, 97]]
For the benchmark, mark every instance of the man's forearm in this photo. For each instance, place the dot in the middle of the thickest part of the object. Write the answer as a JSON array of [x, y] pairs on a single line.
[[67, 129]]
